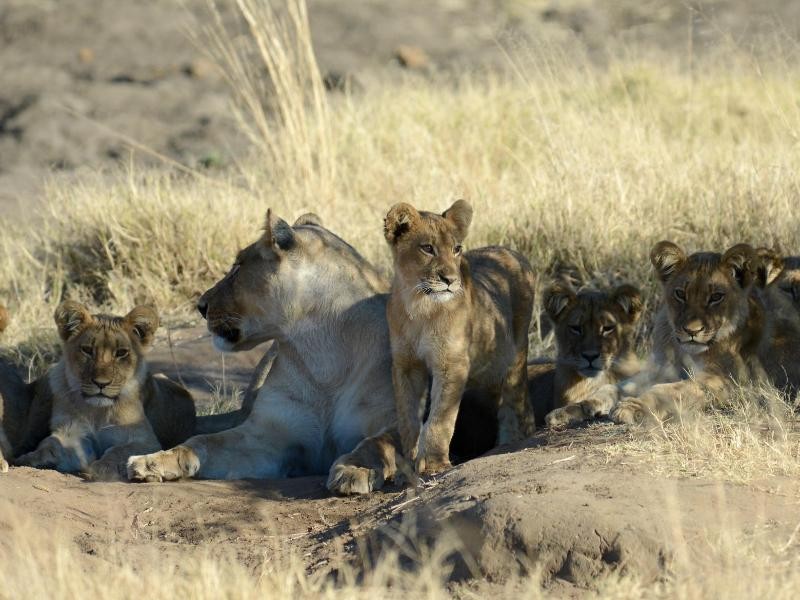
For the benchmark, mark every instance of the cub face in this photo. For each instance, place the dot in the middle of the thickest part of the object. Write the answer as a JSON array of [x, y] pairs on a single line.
[[706, 294], [593, 328], [427, 250], [103, 353]]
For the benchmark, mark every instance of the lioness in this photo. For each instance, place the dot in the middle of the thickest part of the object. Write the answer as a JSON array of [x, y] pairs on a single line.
[[461, 318], [106, 405], [595, 336], [711, 333], [328, 394]]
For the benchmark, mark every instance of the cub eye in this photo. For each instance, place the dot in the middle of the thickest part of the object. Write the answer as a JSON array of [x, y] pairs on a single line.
[[680, 295], [122, 353], [458, 249], [715, 298], [576, 329], [426, 249], [608, 329], [87, 350]]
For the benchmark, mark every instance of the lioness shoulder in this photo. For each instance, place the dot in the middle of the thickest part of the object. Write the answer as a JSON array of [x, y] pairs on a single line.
[[106, 406], [459, 317]]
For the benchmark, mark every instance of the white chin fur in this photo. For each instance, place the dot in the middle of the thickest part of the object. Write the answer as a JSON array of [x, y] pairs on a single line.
[[442, 297], [99, 401], [221, 344], [694, 348]]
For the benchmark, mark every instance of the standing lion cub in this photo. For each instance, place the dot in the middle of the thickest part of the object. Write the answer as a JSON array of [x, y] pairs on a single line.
[[106, 406], [461, 318]]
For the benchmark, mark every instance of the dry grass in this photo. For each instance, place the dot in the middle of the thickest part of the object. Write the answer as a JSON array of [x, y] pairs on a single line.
[[559, 158]]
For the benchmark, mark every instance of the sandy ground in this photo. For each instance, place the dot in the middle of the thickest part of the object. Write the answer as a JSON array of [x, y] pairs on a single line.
[[558, 503]]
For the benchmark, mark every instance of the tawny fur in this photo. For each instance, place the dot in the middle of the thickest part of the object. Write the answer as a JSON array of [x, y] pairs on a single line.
[[460, 319], [104, 404], [713, 332], [595, 331]]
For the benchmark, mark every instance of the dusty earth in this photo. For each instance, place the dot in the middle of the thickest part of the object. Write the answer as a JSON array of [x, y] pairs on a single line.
[[557, 504], [81, 80]]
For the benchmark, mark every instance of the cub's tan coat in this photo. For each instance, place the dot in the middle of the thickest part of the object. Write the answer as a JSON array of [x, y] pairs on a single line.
[[461, 319]]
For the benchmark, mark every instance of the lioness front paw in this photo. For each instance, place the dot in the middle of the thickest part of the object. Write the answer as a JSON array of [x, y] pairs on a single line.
[[41, 458], [3, 465], [430, 465], [631, 411], [101, 470], [347, 480], [167, 465]]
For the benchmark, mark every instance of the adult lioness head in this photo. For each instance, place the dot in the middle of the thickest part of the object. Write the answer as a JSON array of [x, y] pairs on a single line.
[[427, 250], [102, 353], [706, 294], [594, 328], [290, 273]]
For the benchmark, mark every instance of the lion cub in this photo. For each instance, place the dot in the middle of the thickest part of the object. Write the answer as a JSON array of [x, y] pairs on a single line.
[[595, 332], [106, 406], [461, 318]]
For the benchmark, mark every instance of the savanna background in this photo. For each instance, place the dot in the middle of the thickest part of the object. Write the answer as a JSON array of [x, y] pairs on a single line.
[[141, 144]]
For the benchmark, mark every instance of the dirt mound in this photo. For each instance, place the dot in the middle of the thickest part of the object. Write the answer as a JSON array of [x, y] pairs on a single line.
[[558, 506]]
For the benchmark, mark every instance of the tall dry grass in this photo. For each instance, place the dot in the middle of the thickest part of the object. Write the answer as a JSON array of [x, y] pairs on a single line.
[[560, 158]]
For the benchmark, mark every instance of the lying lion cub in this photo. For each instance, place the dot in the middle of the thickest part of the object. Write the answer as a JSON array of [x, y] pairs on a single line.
[[595, 335], [106, 406], [462, 318], [712, 333]]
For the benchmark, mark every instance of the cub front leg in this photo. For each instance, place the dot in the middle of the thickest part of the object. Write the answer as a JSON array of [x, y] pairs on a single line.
[[65, 454], [5, 449], [113, 464], [515, 418], [668, 400], [597, 405], [410, 384], [448, 387]]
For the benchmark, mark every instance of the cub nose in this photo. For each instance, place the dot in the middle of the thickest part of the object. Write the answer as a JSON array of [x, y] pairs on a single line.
[[101, 382], [590, 356], [202, 308], [693, 328], [446, 279]]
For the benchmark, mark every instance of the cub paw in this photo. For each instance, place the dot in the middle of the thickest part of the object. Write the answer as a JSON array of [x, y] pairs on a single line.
[[560, 418], [348, 480], [42, 458], [630, 411], [167, 465], [431, 465], [104, 471], [3, 465]]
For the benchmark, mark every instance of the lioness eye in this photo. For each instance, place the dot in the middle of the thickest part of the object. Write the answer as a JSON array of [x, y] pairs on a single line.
[[122, 353], [716, 297], [607, 329], [457, 250], [427, 249], [680, 295], [88, 350], [576, 329]]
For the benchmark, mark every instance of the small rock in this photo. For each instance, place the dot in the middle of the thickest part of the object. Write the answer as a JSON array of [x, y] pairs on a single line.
[[412, 57], [199, 68], [86, 55]]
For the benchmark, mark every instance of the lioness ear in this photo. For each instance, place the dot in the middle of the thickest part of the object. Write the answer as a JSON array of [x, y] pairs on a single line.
[[308, 219], [399, 220], [769, 264], [667, 258], [557, 298], [630, 299], [278, 234], [740, 260], [71, 318], [460, 215], [143, 322]]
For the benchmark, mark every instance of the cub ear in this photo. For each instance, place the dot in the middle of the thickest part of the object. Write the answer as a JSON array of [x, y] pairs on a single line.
[[741, 259], [278, 234], [557, 298], [630, 299], [769, 264], [399, 220], [3, 318], [308, 219], [71, 318], [667, 258], [460, 215], [143, 322]]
